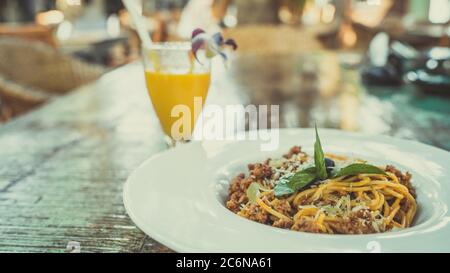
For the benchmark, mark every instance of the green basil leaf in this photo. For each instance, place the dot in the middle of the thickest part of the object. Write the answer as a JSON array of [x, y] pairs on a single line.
[[359, 168], [295, 182], [319, 158], [253, 192], [282, 189]]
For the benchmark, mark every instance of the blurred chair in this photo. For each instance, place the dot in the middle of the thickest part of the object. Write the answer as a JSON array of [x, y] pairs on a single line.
[[33, 72], [257, 11], [29, 32], [17, 99], [274, 39]]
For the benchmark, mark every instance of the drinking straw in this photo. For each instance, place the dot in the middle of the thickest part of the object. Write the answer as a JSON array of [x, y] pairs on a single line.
[[139, 23]]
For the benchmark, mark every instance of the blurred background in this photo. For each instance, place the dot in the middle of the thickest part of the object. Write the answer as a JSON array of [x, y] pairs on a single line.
[[73, 42]]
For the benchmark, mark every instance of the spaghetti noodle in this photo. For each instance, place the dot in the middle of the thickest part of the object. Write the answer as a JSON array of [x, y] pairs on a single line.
[[352, 204]]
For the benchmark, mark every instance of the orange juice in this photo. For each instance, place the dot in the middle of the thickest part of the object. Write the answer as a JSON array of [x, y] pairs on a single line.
[[167, 90]]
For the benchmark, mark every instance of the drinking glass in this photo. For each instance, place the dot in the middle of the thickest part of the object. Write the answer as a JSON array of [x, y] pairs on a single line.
[[177, 84]]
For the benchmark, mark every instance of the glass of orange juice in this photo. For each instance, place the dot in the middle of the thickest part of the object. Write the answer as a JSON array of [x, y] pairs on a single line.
[[177, 85]]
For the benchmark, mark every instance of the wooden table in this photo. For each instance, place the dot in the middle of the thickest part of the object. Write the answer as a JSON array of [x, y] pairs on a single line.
[[62, 166]]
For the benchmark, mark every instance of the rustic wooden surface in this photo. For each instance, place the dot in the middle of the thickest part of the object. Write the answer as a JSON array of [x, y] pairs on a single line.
[[62, 167]]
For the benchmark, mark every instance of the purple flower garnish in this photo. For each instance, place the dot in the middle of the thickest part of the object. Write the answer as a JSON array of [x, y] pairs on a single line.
[[213, 45]]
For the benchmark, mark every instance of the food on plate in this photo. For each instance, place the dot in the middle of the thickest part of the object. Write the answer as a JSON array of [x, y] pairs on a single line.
[[324, 193]]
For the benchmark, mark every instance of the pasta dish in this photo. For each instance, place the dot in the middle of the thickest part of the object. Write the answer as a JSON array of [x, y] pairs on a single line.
[[326, 193]]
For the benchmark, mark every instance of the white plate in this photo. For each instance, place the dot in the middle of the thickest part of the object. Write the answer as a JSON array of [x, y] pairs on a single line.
[[177, 197]]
